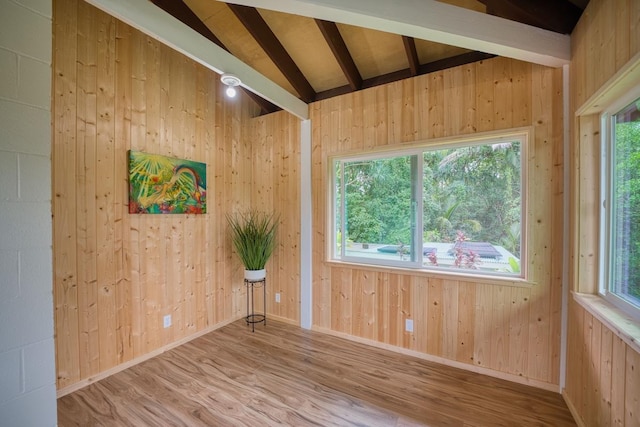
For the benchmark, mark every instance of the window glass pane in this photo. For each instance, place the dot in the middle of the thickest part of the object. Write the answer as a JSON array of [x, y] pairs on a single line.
[[472, 208], [625, 260], [453, 209], [377, 208]]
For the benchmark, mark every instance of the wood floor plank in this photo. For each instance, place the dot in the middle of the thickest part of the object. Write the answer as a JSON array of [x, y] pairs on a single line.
[[284, 375]]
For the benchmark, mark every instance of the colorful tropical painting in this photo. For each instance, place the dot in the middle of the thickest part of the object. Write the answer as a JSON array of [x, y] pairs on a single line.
[[164, 185]]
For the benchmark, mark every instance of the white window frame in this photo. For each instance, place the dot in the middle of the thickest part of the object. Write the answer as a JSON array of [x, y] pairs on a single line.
[[522, 135], [413, 264], [606, 190]]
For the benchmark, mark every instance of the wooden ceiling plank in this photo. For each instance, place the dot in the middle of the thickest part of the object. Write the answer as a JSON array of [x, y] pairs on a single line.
[[256, 25], [178, 9], [438, 22], [156, 23], [553, 15], [339, 48], [412, 54]]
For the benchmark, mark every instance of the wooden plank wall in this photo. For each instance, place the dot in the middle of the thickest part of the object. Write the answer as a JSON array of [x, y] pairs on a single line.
[[275, 143], [603, 372], [117, 275], [508, 329]]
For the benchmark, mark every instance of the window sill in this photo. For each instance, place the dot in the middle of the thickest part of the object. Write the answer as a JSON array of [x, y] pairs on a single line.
[[452, 275], [621, 324]]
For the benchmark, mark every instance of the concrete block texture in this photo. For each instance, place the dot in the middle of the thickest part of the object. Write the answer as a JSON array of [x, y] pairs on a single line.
[[33, 171], [28, 318], [35, 409], [11, 379], [42, 7], [8, 74], [8, 176], [25, 32], [39, 370], [25, 225], [25, 128], [27, 355], [34, 82], [10, 277]]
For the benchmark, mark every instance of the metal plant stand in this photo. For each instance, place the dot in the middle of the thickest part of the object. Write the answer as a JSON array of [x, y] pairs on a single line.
[[253, 317]]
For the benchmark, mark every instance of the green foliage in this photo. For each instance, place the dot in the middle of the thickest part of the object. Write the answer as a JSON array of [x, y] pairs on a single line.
[[626, 201], [473, 189], [514, 264], [378, 200], [254, 237], [511, 241]]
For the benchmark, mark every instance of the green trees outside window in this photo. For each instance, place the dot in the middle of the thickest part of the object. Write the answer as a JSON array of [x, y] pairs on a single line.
[[428, 207], [476, 190], [378, 200], [624, 259]]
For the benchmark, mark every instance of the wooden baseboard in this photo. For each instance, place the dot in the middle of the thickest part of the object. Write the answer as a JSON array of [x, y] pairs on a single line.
[[121, 367], [447, 362], [573, 409], [283, 319]]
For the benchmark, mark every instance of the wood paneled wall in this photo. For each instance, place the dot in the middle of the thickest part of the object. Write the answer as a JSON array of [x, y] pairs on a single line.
[[603, 372], [275, 142], [510, 329], [116, 274]]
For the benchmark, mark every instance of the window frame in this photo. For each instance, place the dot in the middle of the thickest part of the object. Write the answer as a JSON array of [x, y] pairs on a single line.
[[522, 135], [607, 222], [412, 264]]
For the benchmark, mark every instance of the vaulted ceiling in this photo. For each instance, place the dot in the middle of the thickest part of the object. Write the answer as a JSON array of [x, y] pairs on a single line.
[[314, 59]]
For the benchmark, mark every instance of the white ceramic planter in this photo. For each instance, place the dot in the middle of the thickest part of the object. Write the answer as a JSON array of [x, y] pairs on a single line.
[[255, 275]]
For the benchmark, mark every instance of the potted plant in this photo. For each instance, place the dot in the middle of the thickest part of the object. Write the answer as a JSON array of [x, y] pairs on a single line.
[[254, 236]]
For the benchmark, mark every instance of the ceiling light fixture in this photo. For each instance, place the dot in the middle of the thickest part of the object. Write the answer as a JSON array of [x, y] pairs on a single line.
[[231, 82]]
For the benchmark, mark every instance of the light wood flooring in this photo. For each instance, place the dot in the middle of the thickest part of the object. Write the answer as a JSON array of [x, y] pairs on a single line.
[[284, 375]]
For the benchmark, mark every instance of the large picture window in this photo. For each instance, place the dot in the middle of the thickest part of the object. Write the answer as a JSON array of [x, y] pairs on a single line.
[[454, 207], [620, 281]]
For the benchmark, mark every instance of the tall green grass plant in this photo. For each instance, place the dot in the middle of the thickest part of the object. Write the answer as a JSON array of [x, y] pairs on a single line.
[[254, 237]]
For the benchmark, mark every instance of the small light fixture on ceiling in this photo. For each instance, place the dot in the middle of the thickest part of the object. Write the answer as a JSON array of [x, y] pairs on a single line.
[[231, 82]]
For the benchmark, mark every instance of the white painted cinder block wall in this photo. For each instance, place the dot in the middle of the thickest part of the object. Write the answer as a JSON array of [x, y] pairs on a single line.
[[27, 359]]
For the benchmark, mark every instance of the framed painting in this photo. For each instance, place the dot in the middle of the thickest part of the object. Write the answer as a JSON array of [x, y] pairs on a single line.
[[165, 185]]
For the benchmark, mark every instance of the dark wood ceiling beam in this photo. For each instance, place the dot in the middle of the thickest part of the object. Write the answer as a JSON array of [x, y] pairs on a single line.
[[582, 4], [454, 61], [256, 25], [442, 64], [339, 48], [554, 15], [412, 54], [179, 10]]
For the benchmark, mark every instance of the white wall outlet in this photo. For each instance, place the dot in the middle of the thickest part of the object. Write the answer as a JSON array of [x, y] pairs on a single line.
[[277, 296], [167, 320], [408, 325]]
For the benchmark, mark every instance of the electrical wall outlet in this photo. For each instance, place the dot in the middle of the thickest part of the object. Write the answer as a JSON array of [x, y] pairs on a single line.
[[167, 320], [277, 296], [408, 325]]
